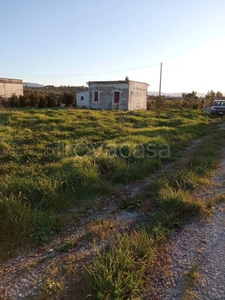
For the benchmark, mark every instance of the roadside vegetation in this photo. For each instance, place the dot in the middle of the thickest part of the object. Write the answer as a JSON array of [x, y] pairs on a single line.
[[53, 160]]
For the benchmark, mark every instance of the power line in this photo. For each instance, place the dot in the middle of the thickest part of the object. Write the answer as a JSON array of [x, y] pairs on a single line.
[[88, 74]]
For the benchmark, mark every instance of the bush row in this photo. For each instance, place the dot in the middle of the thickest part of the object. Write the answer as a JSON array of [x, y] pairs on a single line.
[[161, 103], [39, 99]]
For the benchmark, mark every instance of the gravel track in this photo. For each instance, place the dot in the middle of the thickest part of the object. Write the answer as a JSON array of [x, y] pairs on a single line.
[[200, 243]]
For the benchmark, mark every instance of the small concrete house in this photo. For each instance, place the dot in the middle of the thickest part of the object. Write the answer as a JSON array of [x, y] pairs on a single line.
[[8, 87], [122, 94]]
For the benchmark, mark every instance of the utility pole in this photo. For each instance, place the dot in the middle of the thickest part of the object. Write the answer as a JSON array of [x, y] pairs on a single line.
[[204, 105], [158, 99], [160, 80]]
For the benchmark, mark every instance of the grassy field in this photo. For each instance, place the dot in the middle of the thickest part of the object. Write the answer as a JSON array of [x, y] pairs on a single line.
[[55, 159]]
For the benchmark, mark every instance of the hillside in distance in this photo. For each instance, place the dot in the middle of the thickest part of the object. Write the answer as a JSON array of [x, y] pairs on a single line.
[[32, 85]]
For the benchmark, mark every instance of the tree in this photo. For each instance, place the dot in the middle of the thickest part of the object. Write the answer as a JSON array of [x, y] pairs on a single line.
[[219, 95], [34, 98], [190, 96], [211, 96], [52, 100], [14, 101], [160, 104], [24, 101], [68, 98], [183, 96], [43, 101]]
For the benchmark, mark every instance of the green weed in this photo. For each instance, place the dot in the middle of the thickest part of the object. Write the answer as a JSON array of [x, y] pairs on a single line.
[[118, 273], [67, 245], [52, 289], [192, 279], [129, 203]]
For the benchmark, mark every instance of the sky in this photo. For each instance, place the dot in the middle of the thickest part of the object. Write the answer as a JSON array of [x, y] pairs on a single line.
[[71, 42]]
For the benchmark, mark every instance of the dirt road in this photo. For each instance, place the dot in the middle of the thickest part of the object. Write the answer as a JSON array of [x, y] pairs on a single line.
[[197, 252]]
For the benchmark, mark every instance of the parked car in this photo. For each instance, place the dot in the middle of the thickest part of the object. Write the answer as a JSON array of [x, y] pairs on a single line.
[[218, 107]]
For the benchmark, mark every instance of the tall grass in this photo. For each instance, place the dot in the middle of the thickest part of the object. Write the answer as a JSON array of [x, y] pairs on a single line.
[[55, 159], [119, 272], [16, 220]]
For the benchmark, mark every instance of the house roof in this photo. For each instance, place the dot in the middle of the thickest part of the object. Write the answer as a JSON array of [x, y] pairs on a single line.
[[10, 80], [113, 82], [107, 82]]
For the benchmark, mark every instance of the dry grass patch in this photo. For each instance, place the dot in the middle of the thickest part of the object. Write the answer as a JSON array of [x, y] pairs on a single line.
[[99, 230], [192, 279]]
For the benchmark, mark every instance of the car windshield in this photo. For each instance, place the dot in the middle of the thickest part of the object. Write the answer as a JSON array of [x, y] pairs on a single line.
[[219, 103]]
